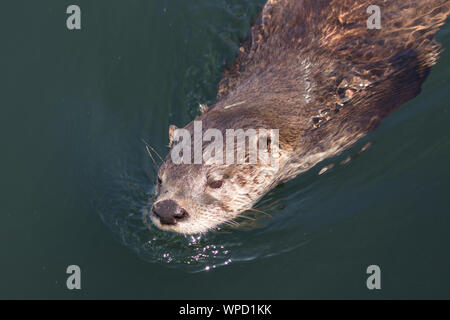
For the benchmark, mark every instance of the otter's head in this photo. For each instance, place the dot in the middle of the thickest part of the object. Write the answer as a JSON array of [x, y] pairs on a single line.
[[195, 198]]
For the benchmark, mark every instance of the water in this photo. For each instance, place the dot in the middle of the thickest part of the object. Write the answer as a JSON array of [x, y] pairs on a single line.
[[76, 178]]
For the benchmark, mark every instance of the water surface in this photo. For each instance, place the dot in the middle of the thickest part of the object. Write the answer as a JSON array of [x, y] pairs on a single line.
[[77, 179]]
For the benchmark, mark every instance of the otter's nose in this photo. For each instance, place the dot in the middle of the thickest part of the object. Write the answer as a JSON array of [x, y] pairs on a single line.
[[169, 212]]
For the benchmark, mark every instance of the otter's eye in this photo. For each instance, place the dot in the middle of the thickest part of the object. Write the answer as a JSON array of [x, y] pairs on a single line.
[[215, 184], [159, 180]]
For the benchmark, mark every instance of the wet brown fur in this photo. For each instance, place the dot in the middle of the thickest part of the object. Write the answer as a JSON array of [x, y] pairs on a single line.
[[333, 39], [313, 70]]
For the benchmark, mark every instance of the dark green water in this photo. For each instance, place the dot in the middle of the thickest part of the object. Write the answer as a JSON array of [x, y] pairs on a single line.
[[76, 178]]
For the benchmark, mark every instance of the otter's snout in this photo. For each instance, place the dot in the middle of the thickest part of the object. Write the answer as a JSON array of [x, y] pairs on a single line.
[[169, 212]]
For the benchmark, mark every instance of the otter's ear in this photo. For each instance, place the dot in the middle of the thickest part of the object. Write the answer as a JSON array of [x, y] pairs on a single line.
[[172, 129]]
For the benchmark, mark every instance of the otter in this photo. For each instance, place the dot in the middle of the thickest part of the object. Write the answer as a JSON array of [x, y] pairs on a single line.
[[313, 70]]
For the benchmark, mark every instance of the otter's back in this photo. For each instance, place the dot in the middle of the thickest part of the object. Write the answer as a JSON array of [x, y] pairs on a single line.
[[314, 68]]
